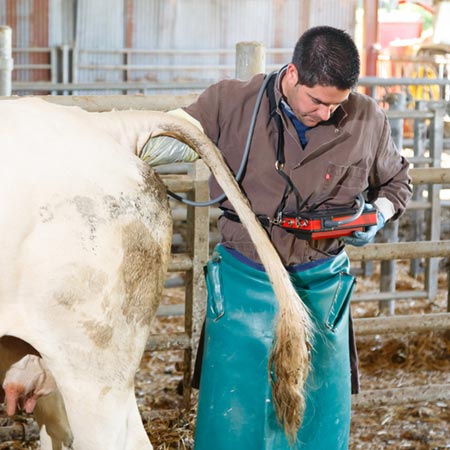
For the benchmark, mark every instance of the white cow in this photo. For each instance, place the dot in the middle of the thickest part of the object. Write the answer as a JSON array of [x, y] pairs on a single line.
[[85, 233]]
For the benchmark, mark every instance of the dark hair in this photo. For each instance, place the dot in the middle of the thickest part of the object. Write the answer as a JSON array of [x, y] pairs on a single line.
[[328, 57]]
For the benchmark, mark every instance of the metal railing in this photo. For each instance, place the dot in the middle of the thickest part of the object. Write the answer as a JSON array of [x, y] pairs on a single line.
[[71, 70], [432, 67]]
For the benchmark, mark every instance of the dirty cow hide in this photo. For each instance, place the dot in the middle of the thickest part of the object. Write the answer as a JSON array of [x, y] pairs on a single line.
[[85, 235]]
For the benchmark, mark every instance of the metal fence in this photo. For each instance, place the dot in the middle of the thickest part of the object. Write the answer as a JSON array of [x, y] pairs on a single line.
[[130, 70]]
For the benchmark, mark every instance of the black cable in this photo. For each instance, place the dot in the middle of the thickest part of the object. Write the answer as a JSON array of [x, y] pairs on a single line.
[[248, 143]]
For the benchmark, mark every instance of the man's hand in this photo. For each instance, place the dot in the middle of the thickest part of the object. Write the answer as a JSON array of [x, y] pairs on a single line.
[[361, 238]]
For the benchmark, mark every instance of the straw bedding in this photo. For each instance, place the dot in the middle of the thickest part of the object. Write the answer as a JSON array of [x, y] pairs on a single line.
[[386, 361]]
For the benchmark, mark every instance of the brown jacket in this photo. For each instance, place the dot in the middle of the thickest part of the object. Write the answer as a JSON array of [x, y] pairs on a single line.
[[351, 153]]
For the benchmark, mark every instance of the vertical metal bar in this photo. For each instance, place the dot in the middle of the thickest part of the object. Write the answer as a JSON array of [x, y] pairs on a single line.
[[250, 59], [75, 67], [65, 63], [434, 229], [418, 216], [396, 102], [75, 58], [441, 88], [126, 72], [387, 278], [448, 286], [6, 61], [447, 86], [65, 66], [54, 67]]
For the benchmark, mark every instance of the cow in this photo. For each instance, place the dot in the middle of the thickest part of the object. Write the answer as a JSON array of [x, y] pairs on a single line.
[[85, 231]]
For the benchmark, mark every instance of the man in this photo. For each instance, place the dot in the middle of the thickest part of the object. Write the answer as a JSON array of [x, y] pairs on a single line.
[[316, 145]]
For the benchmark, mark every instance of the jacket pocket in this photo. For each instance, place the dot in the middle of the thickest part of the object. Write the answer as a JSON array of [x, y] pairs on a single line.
[[349, 176], [343, 183], [214, 287], [341, 300]]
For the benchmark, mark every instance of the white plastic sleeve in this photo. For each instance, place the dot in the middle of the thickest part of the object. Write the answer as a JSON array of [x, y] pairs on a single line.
[[165, 150]]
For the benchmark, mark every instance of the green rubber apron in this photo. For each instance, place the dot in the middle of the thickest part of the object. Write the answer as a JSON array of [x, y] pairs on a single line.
[[235, 408]]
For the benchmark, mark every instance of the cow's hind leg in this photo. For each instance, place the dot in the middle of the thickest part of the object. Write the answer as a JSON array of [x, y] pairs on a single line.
[[51, 416], [136, 436], [104, 417]]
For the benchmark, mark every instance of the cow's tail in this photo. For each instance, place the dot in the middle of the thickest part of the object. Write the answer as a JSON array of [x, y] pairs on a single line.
[[289, 359]]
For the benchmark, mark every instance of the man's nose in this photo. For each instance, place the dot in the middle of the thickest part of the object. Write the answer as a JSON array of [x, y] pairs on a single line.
[[325, 112]]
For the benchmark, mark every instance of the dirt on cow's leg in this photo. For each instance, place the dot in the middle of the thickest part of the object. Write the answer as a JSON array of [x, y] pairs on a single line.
[[51, 412]]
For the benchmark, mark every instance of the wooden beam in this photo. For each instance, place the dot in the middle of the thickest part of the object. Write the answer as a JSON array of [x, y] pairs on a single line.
[[402, 324], [399, 250], [399, 396], [430, 175]]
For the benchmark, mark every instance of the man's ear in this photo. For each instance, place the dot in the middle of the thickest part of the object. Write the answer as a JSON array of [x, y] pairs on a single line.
[[292, 74]]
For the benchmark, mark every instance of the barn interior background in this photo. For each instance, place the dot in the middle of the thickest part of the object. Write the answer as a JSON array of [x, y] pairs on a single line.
[[110, 50]]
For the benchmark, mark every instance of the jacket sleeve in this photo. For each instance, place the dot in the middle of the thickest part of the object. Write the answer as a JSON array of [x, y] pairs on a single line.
[[206, 110], [389, 179]]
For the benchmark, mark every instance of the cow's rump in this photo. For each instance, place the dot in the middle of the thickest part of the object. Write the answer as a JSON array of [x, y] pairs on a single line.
[[85, 232]]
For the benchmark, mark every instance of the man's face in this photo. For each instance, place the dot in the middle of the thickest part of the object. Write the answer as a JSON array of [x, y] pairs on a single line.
[[314, 104]]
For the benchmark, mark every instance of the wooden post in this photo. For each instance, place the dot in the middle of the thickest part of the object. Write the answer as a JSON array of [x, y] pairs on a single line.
[[370, 38], [198, 247], [250, 59]]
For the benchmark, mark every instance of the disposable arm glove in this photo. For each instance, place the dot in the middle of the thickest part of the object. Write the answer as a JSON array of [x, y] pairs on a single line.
[[361, 238], [165, 150]]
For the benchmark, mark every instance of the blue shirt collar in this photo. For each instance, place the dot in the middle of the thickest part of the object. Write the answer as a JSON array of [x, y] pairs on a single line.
[[300, 127]]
